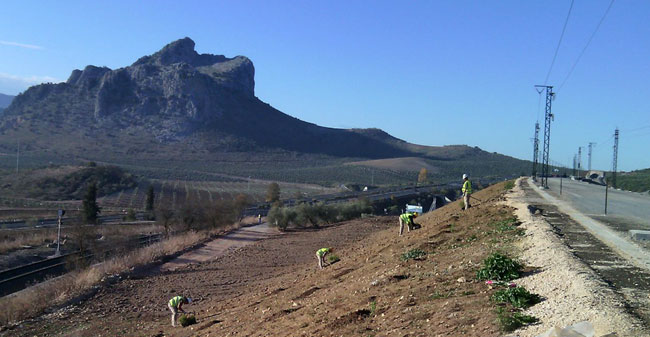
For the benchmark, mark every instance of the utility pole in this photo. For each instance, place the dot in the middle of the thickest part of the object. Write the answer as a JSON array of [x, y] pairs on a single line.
[[536, 151], [615, 161], [575, 159], [547, 132], [591, 145], [17, 155], [579, 159], [606, 189]]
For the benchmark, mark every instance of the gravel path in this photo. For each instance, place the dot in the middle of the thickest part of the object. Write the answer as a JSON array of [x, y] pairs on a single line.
[[222, 246], [572, 291]]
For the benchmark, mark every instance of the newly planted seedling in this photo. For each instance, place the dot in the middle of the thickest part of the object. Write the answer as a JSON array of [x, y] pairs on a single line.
[[499, 267], [186, 320], [511, 321], [415, 254], [519, 297], [333, 258]]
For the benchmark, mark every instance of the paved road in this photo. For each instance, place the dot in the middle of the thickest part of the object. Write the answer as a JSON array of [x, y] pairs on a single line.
[[625, 210]]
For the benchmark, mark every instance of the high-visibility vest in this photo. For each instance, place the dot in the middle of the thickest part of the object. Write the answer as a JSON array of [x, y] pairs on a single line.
[[407, 218], [467, 187], [322, 251], [175, 301]]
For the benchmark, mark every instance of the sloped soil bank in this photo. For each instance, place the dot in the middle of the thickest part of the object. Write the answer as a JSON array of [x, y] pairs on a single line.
[[274, 288]]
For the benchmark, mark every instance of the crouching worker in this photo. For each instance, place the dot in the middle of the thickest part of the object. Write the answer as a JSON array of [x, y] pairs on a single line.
[[320, 254], [406, 219], [176, 305]]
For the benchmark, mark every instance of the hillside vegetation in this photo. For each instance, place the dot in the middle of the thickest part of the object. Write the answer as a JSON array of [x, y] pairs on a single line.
[[635, 181], [64, 182]]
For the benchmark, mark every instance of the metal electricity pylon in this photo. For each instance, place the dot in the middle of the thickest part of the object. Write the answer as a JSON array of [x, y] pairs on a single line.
[[536, 151], [615, 161], [579, 159], [591, 146], [547, 132], [575, 160]]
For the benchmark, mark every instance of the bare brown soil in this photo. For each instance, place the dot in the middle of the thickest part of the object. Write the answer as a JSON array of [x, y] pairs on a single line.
[[274, 288]]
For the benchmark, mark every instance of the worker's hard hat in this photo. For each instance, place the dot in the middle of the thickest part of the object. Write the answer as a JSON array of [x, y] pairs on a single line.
[[465, 176], [415, 214]]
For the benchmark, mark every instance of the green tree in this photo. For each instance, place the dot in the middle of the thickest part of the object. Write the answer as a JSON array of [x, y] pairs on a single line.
[[90, 209], [273, 193], [130, 215], [165, 216], [422, 176], [150, 199]]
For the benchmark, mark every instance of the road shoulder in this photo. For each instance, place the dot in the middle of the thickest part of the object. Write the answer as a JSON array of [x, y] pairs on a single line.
[[572, 291]]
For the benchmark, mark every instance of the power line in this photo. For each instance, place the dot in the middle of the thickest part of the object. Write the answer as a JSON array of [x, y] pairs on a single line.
[[547, 133], [536, 151], [559, 43], [637, 129], [615, 160], [587, 45]]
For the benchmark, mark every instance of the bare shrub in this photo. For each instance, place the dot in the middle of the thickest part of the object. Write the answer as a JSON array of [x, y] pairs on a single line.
[[12, 240]]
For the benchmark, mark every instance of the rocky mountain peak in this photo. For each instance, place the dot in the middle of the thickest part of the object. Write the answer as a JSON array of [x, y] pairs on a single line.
[[179, 51]]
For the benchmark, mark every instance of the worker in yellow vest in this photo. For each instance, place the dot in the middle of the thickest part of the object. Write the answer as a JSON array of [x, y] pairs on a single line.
[[406, 219], [467, 191], [176, 305], [320, 255]]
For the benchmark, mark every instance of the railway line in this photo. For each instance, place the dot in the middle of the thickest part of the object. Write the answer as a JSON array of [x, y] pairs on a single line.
[[18, 278]]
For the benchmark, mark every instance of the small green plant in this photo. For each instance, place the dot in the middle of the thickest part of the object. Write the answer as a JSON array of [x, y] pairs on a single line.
[[504, 225], [438, 295], [509, 185], [471, 238], [511, 321], [373, 307], [519, 297], [415, 254], [499, 267], [333, 258], [186, 320]]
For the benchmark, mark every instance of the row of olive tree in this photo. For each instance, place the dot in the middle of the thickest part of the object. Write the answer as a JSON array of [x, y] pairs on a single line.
[[317, 214]]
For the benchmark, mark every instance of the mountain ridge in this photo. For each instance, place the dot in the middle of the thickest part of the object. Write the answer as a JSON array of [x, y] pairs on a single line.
[[178, 104], [5, 100]]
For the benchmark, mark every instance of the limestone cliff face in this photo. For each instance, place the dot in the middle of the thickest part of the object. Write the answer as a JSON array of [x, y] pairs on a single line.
[[181, 88], [177, 95]]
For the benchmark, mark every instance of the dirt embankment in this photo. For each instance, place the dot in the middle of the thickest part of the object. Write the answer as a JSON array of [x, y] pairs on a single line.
[[274, 288]]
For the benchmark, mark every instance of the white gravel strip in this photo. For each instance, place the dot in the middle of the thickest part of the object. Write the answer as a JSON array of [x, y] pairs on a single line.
[[572, 292]]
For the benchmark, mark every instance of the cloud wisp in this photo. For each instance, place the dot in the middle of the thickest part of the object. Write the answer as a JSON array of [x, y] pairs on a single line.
[[21, 45], [10, 84]]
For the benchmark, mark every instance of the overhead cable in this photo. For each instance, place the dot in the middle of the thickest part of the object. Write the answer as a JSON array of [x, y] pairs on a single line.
[[559, 43], [587, 45]]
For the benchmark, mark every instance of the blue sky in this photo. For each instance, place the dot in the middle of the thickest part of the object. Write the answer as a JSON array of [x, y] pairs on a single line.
[[428, 72]]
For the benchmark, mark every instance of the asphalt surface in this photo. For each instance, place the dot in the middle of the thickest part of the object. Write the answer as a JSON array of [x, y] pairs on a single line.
[[625, 210]]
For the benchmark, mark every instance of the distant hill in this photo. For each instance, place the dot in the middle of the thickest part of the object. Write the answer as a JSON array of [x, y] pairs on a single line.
[[198, 113], [635, 181], [5, 100]]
